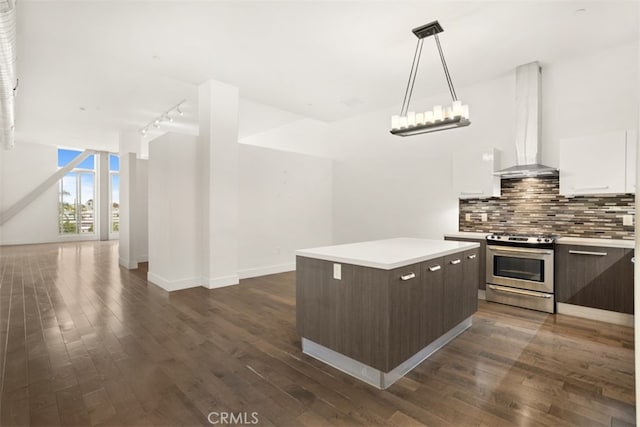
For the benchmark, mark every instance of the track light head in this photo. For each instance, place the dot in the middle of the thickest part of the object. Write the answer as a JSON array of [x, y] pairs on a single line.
[[156, 123], [180, 112]]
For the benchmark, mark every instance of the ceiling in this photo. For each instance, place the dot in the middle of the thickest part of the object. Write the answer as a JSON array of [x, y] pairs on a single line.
[[90, 69]]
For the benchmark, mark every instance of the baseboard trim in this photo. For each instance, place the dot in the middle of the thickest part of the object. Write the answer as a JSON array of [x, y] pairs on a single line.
[[482, 294], [248, 273], [128, 264], [220, 282], [173, 285], [595, 314], [143, 258], [59, 239], [373, 376]]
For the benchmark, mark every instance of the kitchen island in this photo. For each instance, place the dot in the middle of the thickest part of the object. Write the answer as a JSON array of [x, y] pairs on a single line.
[[377, 309]]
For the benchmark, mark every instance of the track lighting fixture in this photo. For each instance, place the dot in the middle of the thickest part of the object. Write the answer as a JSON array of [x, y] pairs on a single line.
[[164, 117]]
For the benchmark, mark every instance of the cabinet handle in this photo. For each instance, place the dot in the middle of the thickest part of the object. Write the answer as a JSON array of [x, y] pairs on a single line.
[[434, 268], [604, 187], [471, 193], [472, 256], [633, 260], [588, 253], [408, 276], [455, 261]]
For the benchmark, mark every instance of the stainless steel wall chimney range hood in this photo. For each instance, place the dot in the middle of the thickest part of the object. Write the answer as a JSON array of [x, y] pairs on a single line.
[[528, 126]]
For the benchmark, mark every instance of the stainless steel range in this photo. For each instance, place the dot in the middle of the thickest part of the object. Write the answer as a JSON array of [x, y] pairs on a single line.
[[520, 271]]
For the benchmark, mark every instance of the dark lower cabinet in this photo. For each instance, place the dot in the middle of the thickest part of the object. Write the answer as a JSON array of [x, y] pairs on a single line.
[[482, 258], [460, 296], [472, 261], [594, 276], [408, 320], [433, 285], [383, 317], [453, 290], [350, 315]]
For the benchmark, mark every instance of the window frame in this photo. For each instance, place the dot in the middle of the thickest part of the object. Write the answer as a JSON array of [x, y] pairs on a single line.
[[78, 172]]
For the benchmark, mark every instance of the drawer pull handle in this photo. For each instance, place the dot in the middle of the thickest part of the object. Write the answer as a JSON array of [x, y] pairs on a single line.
[[603, 187], [472, 256], [588, 253], [455, 261], [518, 291], [471, 193], [408, 276], [434, 268]]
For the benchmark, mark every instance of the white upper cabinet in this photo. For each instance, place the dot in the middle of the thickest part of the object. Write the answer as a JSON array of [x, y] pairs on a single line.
[[594, 164], [632, 147], [473, 174]]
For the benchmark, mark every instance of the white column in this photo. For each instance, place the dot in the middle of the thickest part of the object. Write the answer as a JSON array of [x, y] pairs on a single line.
[[175, 198], [102, 204], [129, 147], [218, 167]]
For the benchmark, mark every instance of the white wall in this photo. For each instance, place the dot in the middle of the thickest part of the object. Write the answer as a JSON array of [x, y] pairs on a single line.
[[385, 186], [284, 204], [141, 219], [590, 94], [304, 136], [389, 186], [174, 220], [23, 169]]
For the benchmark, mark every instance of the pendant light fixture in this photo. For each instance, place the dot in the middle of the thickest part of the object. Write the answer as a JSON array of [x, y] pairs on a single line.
[[450, 117]]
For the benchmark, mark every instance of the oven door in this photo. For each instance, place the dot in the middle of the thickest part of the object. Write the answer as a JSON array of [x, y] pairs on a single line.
[[523, 268]]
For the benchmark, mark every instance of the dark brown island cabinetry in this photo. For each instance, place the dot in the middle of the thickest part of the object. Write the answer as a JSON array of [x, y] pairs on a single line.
[[482, 257], [384, 319], [595, 276]]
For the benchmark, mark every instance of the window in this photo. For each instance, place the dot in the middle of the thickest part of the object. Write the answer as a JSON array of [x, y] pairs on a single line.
[[76, 207], [114, 192]]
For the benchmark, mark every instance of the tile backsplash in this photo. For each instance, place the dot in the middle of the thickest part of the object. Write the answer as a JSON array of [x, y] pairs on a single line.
[[534, 205]]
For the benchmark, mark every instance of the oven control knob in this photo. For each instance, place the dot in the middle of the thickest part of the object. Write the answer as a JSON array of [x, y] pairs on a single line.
[[547, 240], [539, 239]]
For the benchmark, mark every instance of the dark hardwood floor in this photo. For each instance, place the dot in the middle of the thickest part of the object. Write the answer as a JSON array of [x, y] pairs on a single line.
[[84, 342]]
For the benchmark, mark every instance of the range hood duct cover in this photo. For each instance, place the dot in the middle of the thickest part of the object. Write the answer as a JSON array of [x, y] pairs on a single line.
[[7, 72], [528, 125]]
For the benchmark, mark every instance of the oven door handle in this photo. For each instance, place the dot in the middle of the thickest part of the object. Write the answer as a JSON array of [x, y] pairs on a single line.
[[519, 251], [519, 292]]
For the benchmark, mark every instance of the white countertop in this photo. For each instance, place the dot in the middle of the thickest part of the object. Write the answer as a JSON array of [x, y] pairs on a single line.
[[582, 241], [467, 235], [607, 243], [389, 253]]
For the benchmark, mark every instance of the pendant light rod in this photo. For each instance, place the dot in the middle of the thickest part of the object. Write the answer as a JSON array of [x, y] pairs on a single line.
[[412, 78], [446, 69]]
